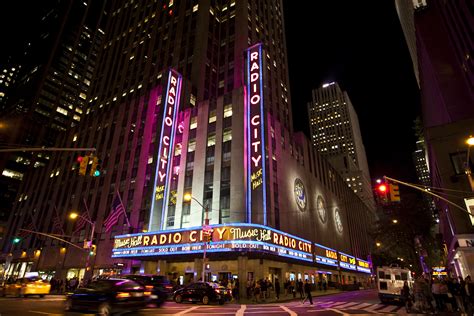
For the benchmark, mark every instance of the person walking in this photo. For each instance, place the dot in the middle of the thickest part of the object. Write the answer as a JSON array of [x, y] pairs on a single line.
[[300, 286], [307, 290], [277, 288]]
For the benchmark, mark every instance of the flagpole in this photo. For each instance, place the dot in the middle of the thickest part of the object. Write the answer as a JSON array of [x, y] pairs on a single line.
[[124, 211]]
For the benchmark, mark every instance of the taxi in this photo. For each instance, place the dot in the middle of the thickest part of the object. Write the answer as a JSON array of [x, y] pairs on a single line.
[[27, 286]]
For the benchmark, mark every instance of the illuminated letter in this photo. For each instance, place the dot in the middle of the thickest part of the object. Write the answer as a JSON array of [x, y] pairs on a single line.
[[220, 231], [192, 235], [166, 140], [254, 76], [146, 240], [275, 238], [255, 120], [162, 239], [254, 66], [173, 80], [177, 238], [255, 99], [256, 160], [173, 92], [253, 56], [168, 121], [161, 175], [154, 240], [255, 145]]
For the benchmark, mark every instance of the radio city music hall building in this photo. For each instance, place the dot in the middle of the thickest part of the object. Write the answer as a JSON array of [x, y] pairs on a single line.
[[276, 208]]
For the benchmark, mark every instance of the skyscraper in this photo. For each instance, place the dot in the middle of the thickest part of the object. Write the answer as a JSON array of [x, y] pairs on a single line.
[[335, 133], [45, 88], [192, 97]]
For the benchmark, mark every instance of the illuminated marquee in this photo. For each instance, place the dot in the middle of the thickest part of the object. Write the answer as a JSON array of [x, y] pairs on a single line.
[[363, 266], [255, 138], [347, 261], [165, 151], [439, 271], [230, 237], [325, 255]]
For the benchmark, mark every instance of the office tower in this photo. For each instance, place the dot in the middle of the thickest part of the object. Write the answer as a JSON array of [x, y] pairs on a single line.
[[335, 133], [47, 88], [192, 97], [445, 47]]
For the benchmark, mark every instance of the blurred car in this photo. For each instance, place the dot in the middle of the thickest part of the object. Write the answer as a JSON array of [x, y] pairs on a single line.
[[24, 287], [109, 296], [203, 292], [159, 285]]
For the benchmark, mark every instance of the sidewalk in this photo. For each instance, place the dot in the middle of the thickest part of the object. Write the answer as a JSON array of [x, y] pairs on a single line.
[[286, 298]]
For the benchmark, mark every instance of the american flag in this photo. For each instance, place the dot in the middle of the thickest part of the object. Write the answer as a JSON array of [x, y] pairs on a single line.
[[117, 210], [82, 221], [57, 223], [30, 226]]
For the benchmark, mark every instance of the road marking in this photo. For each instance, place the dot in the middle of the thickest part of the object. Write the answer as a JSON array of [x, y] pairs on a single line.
[[337, 311], [388, 309], [241, 311], [346, 305], [374, 307], [335, 304], [360, 306], [187, 310], [289, 311]]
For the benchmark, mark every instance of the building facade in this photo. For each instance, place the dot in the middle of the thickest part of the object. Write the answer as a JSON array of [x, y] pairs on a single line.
[[335, 133], [446, 72], [217, 125]]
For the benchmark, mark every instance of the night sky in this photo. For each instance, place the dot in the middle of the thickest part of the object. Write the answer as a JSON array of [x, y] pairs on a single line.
[[359, 44]]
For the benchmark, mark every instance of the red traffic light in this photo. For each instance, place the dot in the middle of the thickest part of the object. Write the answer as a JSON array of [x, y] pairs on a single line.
[[382, 188]]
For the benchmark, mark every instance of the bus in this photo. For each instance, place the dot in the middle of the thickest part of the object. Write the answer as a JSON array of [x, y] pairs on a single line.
[[390, 282]]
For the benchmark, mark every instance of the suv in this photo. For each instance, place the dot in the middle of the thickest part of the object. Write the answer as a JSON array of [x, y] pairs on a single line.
[[160, 286], [200, 292]]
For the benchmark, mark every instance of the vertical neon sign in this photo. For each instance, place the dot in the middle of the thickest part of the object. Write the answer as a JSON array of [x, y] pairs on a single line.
[[255, 137], [165, 152]]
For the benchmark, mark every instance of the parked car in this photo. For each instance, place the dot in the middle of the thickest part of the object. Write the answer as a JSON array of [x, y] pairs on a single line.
[[200, 292], [109, 296], [159, 285], [24, 287]]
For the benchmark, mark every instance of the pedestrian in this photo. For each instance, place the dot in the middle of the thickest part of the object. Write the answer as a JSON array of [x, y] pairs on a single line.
[[325, 285], [307, 290], [235, 290], [263, 288], [293, 288], [407, 297], [277, 288], [300, 288], [256, 291]]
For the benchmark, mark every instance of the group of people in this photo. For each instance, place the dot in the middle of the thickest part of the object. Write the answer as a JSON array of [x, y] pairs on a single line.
[[262, 289], [440, 295], [68, 285]]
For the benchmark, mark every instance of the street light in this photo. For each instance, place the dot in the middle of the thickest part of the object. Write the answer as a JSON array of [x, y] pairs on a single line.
[[395, 221], [467, 170], [205, 229], [73, 216], [378, 244]]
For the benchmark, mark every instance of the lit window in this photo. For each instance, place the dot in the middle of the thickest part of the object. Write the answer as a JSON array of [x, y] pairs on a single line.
[[150, 160], [193, 123], [227, 135], [191, 145], [76, 117], [177, 149], [212, 116], [195, 8], [227, 110], [82, 95], [12, 174], [211, 140], [74, 138], [62, 111]]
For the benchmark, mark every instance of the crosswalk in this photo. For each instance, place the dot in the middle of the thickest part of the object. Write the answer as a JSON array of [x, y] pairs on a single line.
[[367, 307]]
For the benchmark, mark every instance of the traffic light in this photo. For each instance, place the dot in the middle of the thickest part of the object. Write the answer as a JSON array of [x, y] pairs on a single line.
[[93, 250], [83, 162], [382, 191], [95, 168], [16, 240], [394, 192]]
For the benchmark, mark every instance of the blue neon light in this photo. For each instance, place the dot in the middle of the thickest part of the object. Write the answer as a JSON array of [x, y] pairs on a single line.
[[171, 151], [263, 140], [150, 223]]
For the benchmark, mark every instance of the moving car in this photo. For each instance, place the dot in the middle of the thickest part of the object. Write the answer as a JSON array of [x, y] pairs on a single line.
[[203, 292], [24, 287], [159, 285], [390, 282], [109, 296]]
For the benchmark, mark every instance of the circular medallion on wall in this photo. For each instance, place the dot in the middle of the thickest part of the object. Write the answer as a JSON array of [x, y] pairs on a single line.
[[321, 209], [300, 195], [338, 220]]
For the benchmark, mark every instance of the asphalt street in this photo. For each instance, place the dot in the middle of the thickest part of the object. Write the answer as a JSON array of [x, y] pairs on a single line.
[[346, 303]]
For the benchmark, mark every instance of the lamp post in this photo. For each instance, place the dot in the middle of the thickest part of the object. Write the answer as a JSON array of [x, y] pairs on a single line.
[[205, 229], [467, 169], [74, 216]]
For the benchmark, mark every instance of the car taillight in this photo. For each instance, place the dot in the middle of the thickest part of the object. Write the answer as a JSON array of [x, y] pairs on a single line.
[[147, 293], [169, 287], [123, 294], [149, 287]]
